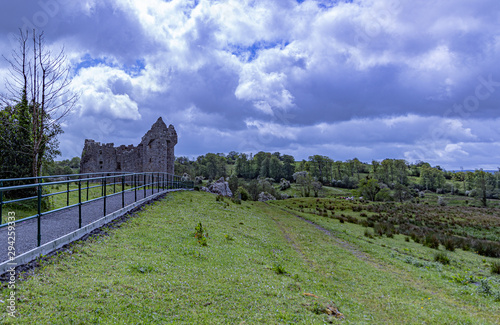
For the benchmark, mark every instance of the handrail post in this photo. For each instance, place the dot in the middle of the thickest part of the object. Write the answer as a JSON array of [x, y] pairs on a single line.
[[67, 191], [152, 183], [105, 193], [87, 188], [135, 187], [114, 184], [80, 203], [39, 230], [144, 184], [123, 191]]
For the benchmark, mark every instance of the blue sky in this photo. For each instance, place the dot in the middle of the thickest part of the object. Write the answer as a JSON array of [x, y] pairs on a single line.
[[368, 79]]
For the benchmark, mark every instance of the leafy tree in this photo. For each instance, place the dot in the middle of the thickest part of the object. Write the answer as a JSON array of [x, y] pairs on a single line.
[[316, 186], [233, 183], [319, 166], [304, 180], [482, 185], [243, 166], [264, 168], [275, 168], [288, 167], [368, 188], [15, 141], [431, 178], [231, 157], [257, 161], [402, 193]]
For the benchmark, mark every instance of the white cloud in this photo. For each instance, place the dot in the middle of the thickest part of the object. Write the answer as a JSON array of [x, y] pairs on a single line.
[[105, 90]]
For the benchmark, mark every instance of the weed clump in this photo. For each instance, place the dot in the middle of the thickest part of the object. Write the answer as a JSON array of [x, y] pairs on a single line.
[[279, 269], [201, 235], [442, 258]]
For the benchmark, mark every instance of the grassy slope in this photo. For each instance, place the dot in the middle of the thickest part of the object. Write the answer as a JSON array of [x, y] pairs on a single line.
[[152, 270]]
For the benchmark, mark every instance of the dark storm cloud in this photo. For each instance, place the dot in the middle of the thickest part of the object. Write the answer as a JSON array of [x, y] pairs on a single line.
[[367, 79]]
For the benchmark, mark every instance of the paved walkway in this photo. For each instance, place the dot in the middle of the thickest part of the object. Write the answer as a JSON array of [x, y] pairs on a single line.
[[60, 223]]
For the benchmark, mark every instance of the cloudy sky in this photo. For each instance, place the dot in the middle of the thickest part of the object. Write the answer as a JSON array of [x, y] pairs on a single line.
[[372, 79]]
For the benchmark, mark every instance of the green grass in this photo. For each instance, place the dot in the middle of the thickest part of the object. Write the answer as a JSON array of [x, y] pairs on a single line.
[[261, 265], [29, 208]]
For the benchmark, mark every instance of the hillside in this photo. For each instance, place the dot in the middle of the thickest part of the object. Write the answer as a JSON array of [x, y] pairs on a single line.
[[261, 264]]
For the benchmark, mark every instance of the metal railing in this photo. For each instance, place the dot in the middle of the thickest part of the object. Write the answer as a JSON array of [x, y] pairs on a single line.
[[107, 182]]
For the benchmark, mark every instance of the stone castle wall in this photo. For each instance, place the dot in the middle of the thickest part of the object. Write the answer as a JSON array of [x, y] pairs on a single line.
[[155, 153]]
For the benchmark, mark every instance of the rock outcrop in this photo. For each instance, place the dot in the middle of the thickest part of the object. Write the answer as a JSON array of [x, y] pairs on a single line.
[[220, 187]]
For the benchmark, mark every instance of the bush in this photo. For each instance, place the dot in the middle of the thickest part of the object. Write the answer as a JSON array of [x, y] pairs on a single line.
[[449, 244], [384, 228], [495, 267], [244, 194], [442, 258], [441, 201], [384, 195], [369, 233], [432, 241]]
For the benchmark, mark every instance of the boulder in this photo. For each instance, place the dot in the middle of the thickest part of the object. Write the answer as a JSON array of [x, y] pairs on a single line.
[[264, 196], [220, 187]]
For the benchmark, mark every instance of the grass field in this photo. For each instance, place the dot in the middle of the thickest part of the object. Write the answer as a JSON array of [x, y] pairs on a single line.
[[253, 263], [29, 208]]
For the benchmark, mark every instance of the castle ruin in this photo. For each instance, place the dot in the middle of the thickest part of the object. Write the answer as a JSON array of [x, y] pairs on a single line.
[[155, 153]]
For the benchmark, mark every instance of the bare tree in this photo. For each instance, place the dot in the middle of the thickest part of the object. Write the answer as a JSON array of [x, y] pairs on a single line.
[[42, 79]]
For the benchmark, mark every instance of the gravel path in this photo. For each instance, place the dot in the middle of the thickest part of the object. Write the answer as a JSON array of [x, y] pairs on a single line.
[[60, 223]]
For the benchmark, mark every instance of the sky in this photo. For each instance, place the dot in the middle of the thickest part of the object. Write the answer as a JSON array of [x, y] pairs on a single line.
[[371, 79]]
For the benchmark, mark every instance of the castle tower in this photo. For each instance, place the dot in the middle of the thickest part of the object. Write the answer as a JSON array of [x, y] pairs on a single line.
[[155, 153]]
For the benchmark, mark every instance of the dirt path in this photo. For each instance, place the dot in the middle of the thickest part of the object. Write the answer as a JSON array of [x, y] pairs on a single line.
[[342, 243]]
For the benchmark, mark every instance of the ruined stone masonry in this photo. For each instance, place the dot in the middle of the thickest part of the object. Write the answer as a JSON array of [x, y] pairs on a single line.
[[155, 153]]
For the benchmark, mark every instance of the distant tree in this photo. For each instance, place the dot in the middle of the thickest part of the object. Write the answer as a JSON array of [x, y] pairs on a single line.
[[319, 166], [231, 157], [482, 185], [233, 183], [264, 168], [368, 188], [257, 161], [288, 167], [316, 186], [304, 180], [275, 168], [431, 178], [243, 166], [402, 193]]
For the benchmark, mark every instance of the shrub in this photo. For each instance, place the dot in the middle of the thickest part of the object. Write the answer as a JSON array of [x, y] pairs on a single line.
[[495, 267], [384, 228], [441, 201], [432, 241], [487, 248], [369, 234], [449, 244], [442, 258], [244, 194]]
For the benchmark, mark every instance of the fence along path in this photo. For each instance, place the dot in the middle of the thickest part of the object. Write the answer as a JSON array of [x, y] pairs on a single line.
[[55, 224]]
